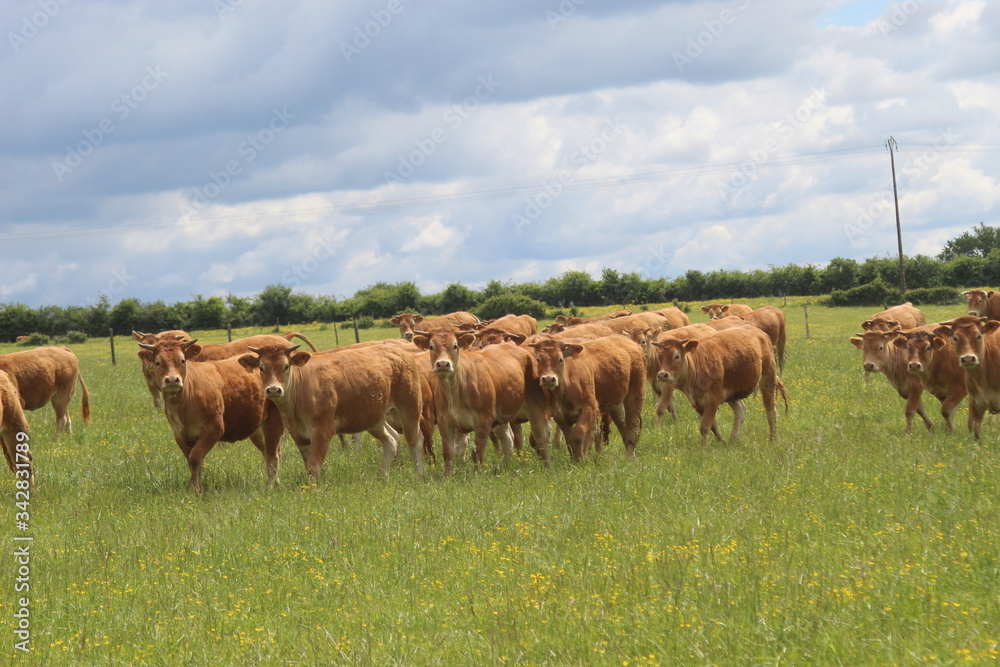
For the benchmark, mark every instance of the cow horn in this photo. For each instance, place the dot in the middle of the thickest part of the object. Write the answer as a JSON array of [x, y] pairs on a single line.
[[254, 350], [421, 333], [965, 292], [189, 343], [292, 349], [146, 346]]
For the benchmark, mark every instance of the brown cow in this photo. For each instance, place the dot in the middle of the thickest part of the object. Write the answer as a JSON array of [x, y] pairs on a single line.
[[771, 321], [588, 330], [148, 370], [14, 431], [482, 391], [351, 391], [210, 401], [48, 375], [676, 317], [647, 320], [903, 316], [983, 303], [933, 359], [237, 347], [589, 378], [716, 310], [574, 320], [652, 345], [408, 321], [977, 348], [525, 325], [725, 367], [880, 355]]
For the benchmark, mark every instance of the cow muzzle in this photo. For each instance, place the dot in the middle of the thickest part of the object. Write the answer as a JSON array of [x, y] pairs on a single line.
[[274, 391], [968, 360], [172, 383], [443, 366], [408, 336], [870, 366], [548, 381], [915, 366], [664, 376]]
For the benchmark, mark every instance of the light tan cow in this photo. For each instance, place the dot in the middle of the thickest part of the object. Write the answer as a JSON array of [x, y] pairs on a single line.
[[977, 348], [148, 370], [880, 355], [932, 359], [652, 341], [14, 432], [483, 391], [983, 303], [351, 391], [407, 322], [48, 375], [725, 367], [716, 310], [206, 402], [587, 330], [589, 378], [903, 316], [240, 346], [572, 320], [676, 317], [647, 320], [771, 321]]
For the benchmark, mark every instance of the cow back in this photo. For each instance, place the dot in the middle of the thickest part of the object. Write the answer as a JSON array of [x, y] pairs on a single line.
[[41, 373]]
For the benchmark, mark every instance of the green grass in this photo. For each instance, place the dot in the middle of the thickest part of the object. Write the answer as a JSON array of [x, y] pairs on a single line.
[[845, 542]]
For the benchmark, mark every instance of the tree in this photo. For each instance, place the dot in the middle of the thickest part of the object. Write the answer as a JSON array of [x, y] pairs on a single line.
[[271, 305], [840, 274], [457, 297], [124, 316], [977, 243], [207, 313]]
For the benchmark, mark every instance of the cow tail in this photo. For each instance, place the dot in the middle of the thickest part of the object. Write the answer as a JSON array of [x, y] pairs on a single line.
[[85, 396], [781, 389], [295, 334]]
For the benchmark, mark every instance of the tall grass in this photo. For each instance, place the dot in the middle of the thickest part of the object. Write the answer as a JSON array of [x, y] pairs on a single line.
[[844, 542]]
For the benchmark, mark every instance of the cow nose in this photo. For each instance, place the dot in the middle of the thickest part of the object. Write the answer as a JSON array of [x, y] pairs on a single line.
[[869, 366], [663, 376], [915, 366], [274, 391], [442, 365], [548, 381], [172, 381], [969, 360], [972, 312], [408, 336]]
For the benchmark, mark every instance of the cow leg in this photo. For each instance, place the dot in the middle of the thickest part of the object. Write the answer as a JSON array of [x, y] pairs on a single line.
[[949, 405], [196, 456], [518, 433], [617, 415], [449, 434], [63, 422], [410, 423], [975, 417], [482, 434], [581, 434], [666, 404], [384, 434], [315, 454], [505, 438], [708, 423], [261, 441], [739, 414], [914, 406]]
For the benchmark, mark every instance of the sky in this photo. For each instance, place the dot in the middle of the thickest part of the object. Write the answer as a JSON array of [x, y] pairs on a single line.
[[158, 151]]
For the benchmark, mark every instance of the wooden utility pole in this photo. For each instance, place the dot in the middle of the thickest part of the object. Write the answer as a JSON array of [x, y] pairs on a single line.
[[891, 144]]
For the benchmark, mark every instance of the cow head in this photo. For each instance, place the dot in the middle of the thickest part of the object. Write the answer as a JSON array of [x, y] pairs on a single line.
[[555, 327], [713, 310], [967, 333], [672, 358], [445, 346], [920, 347], [978, 300], [644, 337], [874, 346], [880, 324], [406, 323], [275, 364], [492, 336], [169, 361], [551, 356]]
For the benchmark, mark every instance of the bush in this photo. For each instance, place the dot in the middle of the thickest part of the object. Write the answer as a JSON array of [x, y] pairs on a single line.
[[364, 322], [72, 338], [934, 296], [36, 339], [516, 304], [876, 293]]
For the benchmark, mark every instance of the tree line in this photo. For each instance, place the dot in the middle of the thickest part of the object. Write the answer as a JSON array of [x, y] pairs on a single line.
[[970, 260]]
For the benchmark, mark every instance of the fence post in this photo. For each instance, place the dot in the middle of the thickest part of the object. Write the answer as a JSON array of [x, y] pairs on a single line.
[[111, 337], [229, 331], [357, 337], [336, 337], [805, 310]]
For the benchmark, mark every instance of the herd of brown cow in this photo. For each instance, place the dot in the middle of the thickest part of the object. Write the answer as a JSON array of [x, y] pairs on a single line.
[[484, 380]]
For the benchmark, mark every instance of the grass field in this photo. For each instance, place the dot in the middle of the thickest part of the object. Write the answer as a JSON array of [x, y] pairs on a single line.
[[845, 542]]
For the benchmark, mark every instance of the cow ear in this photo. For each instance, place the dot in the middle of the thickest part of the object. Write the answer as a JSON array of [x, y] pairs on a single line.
[[857, 341], [136, 335], [704, 309], [466, 340], [423, 342], [192, 351], [572, 349], [251, 362], [417, 319], [990, 294], [893, 325], [943, 331], [724, 309], [900, 341], [299, 357], [146, 355], [517, 338], [689, 346], [866, 325], [991, 326], [395, 320], [937, 342]]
